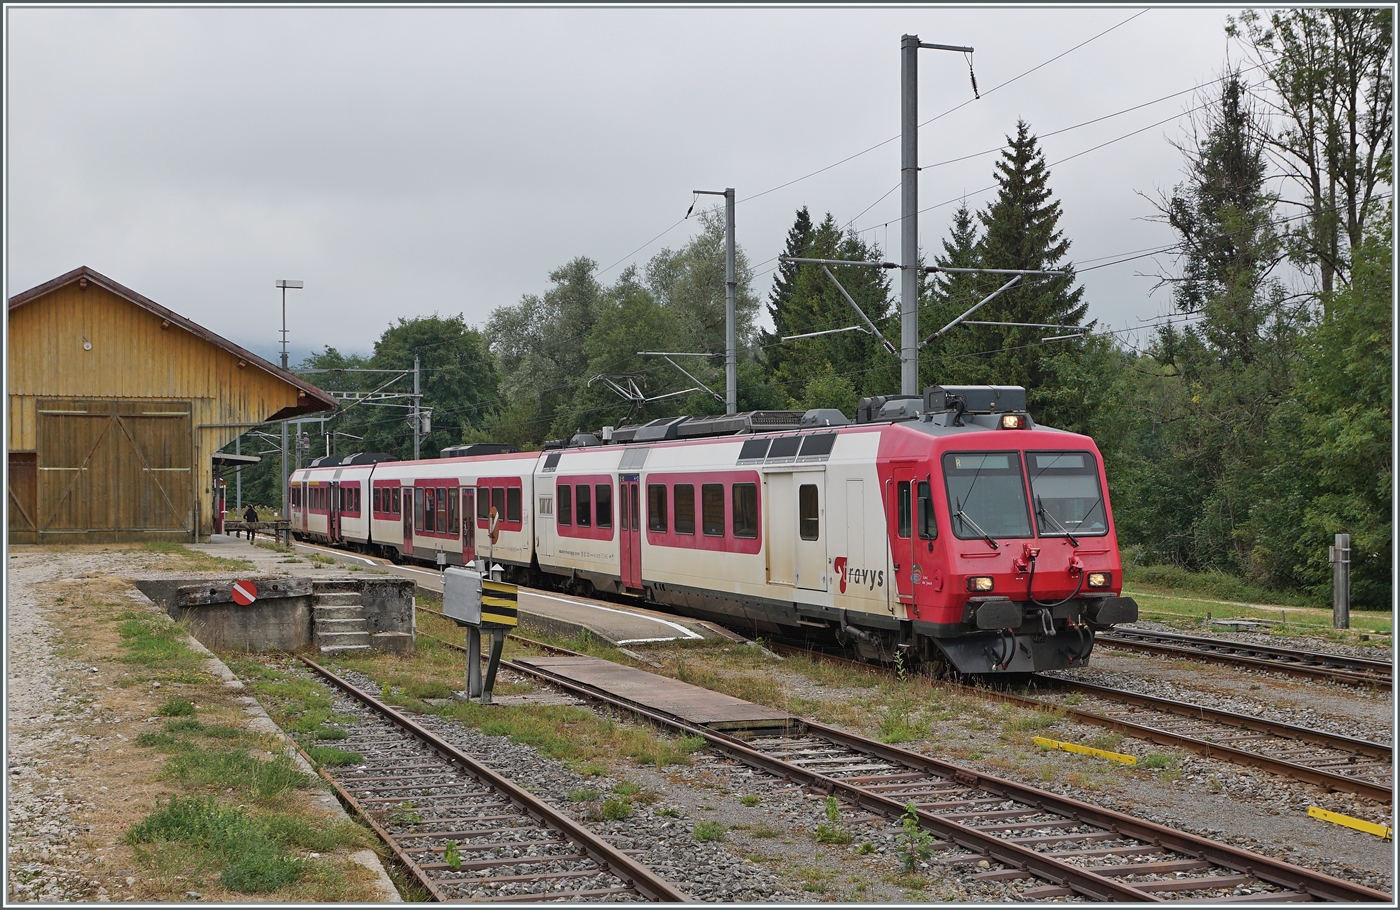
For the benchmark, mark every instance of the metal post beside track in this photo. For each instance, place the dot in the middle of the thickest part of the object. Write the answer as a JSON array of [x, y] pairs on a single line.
[[1340, 557]]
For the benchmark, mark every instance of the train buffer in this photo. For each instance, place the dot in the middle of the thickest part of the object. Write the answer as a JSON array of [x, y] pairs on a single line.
[[480, 604]]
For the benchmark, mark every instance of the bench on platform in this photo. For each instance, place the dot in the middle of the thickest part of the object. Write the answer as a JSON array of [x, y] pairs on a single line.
[[278, 529]]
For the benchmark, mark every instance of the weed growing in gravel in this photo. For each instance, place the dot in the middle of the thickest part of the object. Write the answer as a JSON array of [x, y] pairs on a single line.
[[761, 689], [830, 831], [583, 796], [749, 800], [156, 643], [865, 849], [617, 809], [329, 755], [914, 845], [1109, 742], [667, 813], [627, 788], [1155, 761], [192, 560], [176, 707], [1030, 721], [452, 855], [708, 831], [406, 813]]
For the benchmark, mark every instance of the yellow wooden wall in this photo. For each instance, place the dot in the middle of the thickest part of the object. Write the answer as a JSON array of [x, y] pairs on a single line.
[[132, 357]]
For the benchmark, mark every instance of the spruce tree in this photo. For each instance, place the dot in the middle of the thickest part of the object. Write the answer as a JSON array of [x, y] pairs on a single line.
[[1021, 231], [799, 242], [946, 296]]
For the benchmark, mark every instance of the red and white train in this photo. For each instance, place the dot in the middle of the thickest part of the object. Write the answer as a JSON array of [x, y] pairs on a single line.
[[948, 527]]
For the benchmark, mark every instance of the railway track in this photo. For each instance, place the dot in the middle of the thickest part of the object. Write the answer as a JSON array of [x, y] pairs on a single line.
[[1328, 760], [1356, 671], [1047, 845], [421, 794]]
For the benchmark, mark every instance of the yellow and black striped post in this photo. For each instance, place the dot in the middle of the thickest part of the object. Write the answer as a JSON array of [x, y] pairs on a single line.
[[498, 614]]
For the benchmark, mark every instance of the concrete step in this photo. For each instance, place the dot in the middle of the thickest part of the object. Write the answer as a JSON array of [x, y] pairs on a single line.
[[336, 598], [334, 626], [332, 650], [335, 584], [341, 639], [355, 611]]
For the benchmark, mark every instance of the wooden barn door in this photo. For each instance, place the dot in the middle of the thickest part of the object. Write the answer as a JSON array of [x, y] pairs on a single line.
[[115, 470], [24, 498]]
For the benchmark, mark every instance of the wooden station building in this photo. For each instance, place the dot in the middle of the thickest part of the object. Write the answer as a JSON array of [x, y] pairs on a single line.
[[117, 406]]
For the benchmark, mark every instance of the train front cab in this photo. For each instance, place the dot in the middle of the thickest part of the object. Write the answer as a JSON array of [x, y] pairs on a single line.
[[1003, 551]]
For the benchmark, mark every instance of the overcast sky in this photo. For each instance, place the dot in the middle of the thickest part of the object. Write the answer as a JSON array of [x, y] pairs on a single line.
[[403, 162]]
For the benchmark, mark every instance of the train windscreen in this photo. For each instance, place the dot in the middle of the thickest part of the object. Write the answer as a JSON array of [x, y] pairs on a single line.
[[986, 494], [1067, 498]]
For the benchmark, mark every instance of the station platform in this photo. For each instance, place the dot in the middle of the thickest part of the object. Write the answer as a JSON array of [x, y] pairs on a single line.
[[702, 707], [558, 614]]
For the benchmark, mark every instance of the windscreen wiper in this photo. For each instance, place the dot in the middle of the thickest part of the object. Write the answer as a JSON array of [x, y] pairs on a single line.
[[1041, 511], [985, 536]]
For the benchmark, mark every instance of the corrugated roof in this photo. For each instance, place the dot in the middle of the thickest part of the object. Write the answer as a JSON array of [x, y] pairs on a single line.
[[317, 400]]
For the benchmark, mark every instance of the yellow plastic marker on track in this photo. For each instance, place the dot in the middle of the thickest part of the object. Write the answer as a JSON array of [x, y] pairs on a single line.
[[1085, 750], [1347, 821]]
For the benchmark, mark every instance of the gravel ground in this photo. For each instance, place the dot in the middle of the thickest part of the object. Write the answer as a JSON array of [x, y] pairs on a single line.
[[74, 781], [769, 853]]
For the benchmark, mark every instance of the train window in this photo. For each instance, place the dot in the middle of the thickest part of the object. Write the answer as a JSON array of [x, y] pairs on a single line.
[[754, 448], [374, 497], [417, 508], [498, 502], [928, 528], [357, 500], [808, 512], [636, 508], [512, 504], [784, 447], [452, 527], [745, 497], [986, 494], [429, 511], [656, 507], [1067, 499], [483, 503], [468, 507], [623, 512], [817, 444], [546, 505], [566, 504], [685, 508], [712, 509], [398, 508], [442, 510], [585, 508], [905, 519], [604, 502]]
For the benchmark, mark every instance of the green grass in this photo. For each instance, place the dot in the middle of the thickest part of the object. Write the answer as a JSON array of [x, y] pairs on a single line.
[[257, 852], [1156, 761], [193, 560], [223, 769], [176, 707], [154, 642], [709, 831], [329, 755]]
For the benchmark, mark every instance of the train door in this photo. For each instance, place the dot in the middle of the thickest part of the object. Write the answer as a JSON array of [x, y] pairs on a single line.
[[780, 519], [812, 531], [468, 517], [305, 505], [905, 561], [408, 514], [630, 514], [333, 513]]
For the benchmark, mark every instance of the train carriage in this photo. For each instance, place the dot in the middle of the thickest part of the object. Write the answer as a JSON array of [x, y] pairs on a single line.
[[943, 528]]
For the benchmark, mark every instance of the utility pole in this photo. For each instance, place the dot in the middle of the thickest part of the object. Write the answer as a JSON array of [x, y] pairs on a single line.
[[284, 284], [417, 413], [1340, 557], [909, 209], [731, 290]]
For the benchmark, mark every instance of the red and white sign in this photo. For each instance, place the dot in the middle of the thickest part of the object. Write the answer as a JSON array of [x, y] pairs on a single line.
[[244, 593]]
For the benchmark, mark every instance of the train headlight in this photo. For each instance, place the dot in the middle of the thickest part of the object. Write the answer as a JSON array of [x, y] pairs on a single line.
[[1100, 579], [980, 583], [1013, 421]]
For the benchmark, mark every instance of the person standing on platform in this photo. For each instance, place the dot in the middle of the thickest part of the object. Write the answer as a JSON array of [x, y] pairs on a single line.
[[250, 518]]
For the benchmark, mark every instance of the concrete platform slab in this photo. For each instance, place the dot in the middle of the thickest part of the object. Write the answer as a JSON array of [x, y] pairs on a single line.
[[697, 705]]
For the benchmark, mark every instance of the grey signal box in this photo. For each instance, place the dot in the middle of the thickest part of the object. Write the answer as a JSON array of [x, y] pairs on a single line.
[[461, 595]]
